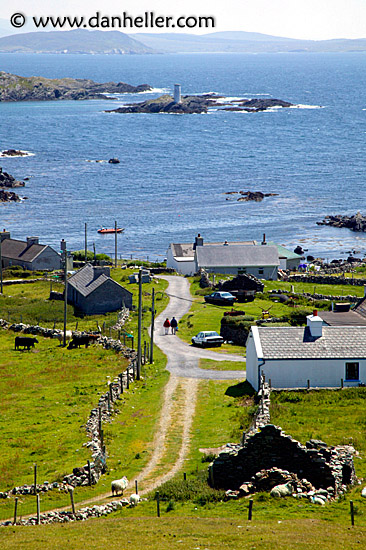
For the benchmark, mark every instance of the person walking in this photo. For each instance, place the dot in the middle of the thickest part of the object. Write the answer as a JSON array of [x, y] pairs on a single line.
[[174, 325], [166, 325]]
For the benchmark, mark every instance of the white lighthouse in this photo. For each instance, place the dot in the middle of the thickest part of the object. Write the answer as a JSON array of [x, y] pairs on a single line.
[[177, 96]]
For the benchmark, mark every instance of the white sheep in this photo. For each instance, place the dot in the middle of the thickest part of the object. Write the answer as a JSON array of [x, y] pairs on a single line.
[[285, 490], [60, 336], [119, 485], [363, 492], [134, 499]]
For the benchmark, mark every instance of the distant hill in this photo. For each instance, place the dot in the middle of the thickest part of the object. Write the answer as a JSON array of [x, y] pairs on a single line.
[[75, 41], [243, 42], [116, 42]]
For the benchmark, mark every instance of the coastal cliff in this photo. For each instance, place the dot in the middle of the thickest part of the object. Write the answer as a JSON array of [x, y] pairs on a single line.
[[200, 104], [37, 88]]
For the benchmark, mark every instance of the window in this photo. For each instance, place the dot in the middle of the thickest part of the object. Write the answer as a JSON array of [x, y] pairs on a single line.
[[352, 371], [260, 271]]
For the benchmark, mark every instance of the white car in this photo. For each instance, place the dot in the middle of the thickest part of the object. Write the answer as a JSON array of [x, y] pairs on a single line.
[[207, 339]]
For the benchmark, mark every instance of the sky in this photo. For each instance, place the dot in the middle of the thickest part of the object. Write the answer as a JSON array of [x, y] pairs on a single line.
[[303, 19]]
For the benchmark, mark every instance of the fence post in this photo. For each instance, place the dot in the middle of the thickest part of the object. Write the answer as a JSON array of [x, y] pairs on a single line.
[[71, 491], [342, 383], [128, 378], [144, 352], [35, 479], [100, 420], [38, 510], [111, 391], [109, 402], [352, 513], [136, 487], [121, 381], [157, 504], [101, 438], [308, 384], [185, 476], [250, 510], [15, 511], [103, 328], [89, 473]]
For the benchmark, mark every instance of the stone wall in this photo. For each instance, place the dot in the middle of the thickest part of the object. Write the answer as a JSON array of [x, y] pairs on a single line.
[[325, 280]]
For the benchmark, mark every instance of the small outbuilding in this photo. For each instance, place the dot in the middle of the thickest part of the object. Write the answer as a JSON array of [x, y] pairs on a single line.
[[315, 355], [93, 291]]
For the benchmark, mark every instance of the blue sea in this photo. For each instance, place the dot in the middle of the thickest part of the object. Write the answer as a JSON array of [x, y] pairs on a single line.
[[175, 169]]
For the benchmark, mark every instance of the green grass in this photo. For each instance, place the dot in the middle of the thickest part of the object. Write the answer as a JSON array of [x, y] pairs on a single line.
[[221, 365], [313, 288], [336, 417], [125, 530]]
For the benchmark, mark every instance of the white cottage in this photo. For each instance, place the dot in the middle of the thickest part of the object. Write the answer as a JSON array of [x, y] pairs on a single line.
[[315, 355]]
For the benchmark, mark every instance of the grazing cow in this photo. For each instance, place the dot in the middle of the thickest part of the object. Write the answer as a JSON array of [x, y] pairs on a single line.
[[82, 340], [25, 342], [60, 336]]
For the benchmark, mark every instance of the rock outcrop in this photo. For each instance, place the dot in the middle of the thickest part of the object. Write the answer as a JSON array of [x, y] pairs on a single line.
[[37, 88], [6, 180], [355, 223], [199, 104]]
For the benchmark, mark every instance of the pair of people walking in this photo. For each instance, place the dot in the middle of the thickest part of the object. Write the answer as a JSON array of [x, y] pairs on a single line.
[[173, 324]]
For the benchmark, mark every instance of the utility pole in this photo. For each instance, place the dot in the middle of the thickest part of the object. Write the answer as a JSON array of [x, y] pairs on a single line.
[[86, 244], [139, 328], [115, 244], [152, 326], [64, 257], [95, 256]]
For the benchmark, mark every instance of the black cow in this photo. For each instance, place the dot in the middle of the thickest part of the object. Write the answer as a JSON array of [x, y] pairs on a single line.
[[82, 340], [25, 342]]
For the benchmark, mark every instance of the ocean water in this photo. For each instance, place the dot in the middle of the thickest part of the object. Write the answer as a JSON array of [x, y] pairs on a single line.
[[175, 169]]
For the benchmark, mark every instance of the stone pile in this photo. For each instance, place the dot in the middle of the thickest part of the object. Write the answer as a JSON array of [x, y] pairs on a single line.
[[265, 480], [321, 465], [205, 281]]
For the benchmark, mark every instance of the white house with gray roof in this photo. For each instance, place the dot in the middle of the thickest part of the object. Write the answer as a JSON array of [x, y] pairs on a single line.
[[92, 290], [315, 355], [225, 257]]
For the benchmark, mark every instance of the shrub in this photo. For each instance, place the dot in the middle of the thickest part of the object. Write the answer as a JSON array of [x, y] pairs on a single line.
[[298, 316], [195, 489]]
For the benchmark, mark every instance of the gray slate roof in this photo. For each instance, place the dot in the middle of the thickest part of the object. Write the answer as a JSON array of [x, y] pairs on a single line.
[[181, 250], [297, 343], [237, 256], [86, 280], [343, 318], [20, 250]]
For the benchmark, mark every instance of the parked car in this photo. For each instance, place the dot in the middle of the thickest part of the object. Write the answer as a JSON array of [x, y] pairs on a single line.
[[220, 298], [207, 339]]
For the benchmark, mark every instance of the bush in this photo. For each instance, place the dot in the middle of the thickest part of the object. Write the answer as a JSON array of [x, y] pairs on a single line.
[[297, 317], [195, 489]]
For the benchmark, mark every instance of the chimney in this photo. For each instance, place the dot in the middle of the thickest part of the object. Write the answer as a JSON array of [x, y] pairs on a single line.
[[100, 270], [264, 239], [32, 240], [198, 241], [177, 96], [4, 235], [315, 324]]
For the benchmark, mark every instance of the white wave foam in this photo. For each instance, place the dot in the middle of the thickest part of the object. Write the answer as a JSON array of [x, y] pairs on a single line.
[[301, 106]]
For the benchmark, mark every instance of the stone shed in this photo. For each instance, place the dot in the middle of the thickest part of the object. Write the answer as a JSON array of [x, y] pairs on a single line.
[[93, 291], [270, 447]]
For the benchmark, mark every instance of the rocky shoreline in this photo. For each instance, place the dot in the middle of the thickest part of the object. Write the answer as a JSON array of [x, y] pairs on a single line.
[[200, 104], [355, 223], [36, 88]]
